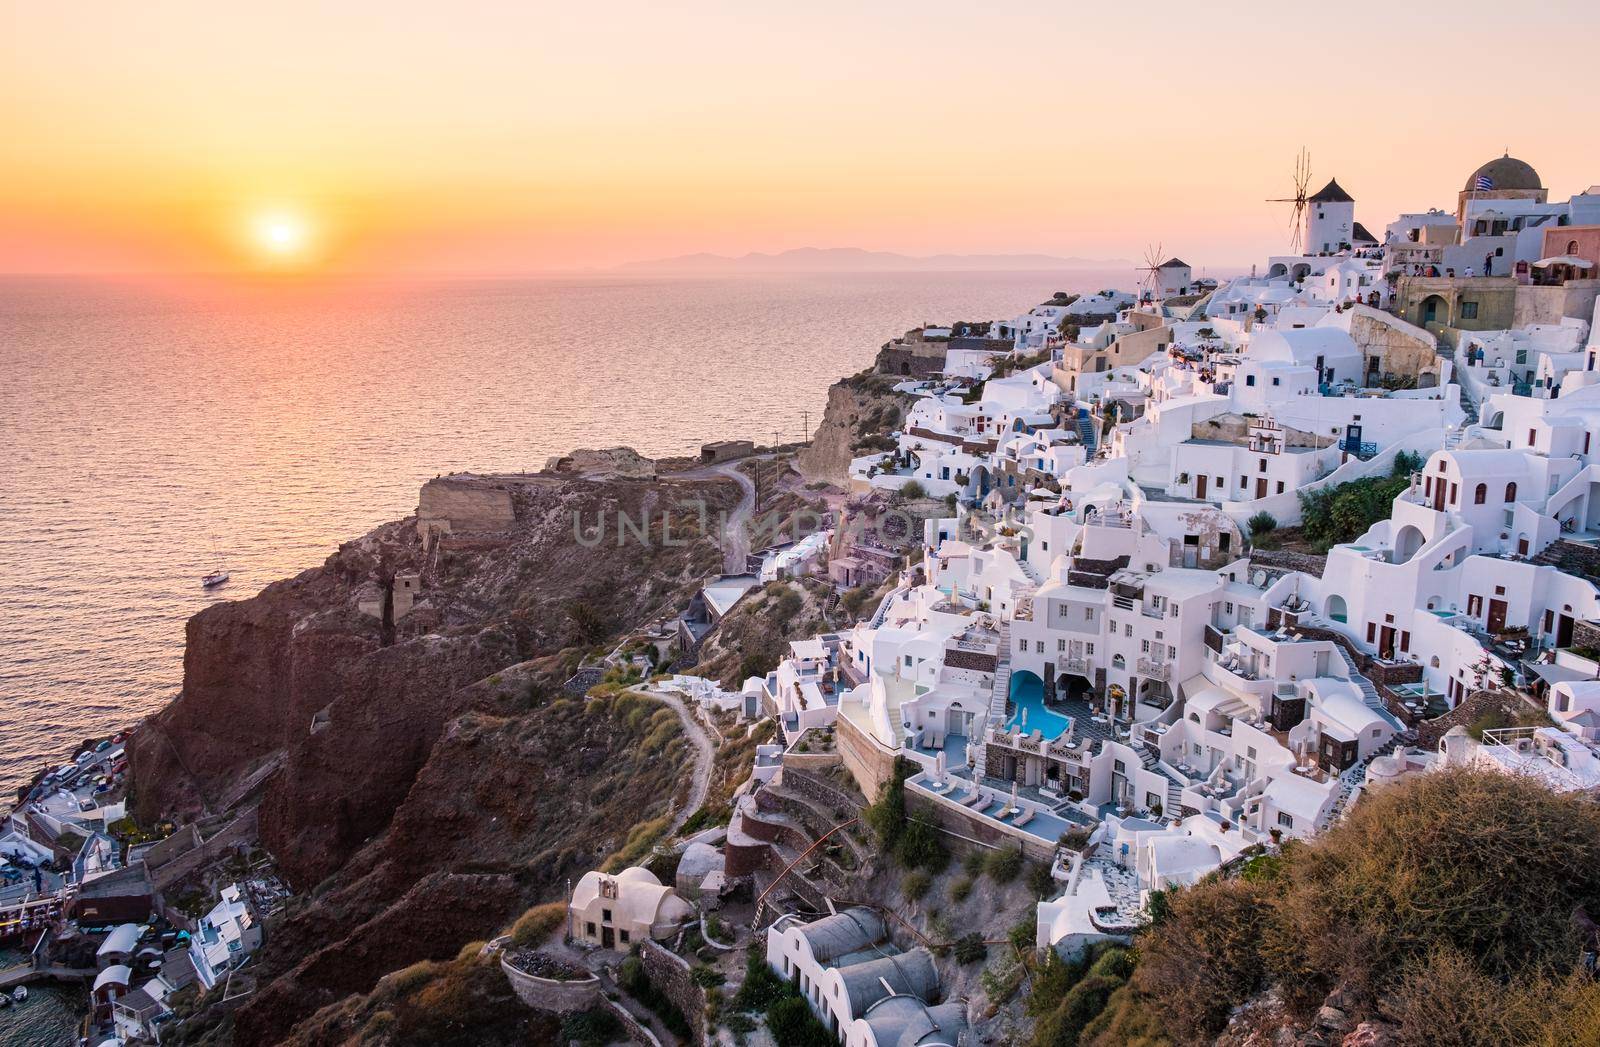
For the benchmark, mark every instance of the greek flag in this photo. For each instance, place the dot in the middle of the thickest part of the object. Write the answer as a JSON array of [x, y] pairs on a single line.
[[1482, 184]]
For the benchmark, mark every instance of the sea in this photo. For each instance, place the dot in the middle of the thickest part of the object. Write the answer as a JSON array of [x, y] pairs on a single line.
[[153, 432]]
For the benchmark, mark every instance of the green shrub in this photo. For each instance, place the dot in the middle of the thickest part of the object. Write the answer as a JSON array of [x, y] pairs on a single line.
[[792, 1024], [1003, 865], [1040, 882], [1262, 523], [762, 986], [592, 1028], [971, 949], [961, 889], [914, 885], [919, 847], [786, 605]]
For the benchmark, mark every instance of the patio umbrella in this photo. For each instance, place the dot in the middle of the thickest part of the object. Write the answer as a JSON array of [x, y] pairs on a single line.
[[938, 764], [1013, 795]]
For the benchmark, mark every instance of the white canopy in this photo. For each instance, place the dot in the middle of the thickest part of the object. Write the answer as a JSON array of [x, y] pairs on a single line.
[[1564, 259]]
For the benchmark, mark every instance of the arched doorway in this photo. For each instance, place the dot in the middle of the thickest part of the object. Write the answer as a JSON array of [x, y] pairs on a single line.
[[1433, 310], [1407, 542]]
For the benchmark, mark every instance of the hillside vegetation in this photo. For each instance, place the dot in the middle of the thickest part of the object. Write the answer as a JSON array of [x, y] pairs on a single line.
[[1343, 513], [1449, 909]]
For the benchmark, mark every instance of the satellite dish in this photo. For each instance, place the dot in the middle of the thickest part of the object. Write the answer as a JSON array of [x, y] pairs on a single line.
[[1260, 579]]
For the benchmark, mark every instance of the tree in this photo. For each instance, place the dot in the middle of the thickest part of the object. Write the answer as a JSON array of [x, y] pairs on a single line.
[[913, 489]]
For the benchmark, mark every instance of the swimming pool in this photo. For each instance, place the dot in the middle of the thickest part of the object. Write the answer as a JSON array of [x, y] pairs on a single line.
[[1027, 694]]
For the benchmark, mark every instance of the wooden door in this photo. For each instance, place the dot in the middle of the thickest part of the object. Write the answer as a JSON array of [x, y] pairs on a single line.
[[1497, 616], [1261, 487], [1200, 487]]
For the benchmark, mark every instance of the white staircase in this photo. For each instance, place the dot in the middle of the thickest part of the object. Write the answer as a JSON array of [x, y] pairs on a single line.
[[1369, 693], [997, 696]]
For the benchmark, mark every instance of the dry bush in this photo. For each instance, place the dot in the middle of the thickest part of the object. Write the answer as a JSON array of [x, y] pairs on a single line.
[[1202, 960], [1485, 864], [538, 923], [1448, 1002]]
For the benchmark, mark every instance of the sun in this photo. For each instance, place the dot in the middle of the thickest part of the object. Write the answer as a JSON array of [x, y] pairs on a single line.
[[281, 236]]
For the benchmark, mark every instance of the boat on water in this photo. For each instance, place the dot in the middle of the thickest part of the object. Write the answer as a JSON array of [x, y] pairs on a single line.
[[19, 994], [214, 579]]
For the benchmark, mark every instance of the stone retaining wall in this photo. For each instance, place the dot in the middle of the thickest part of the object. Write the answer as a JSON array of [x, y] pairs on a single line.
[[1283, 559], [670, 974], [1474, 705], [585, 678], [866, 761], [812, 761], [551, 994], [965, 832], [824, 792]]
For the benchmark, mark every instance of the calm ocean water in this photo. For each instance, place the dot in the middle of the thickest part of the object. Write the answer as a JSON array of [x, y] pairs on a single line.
[[150, 435]]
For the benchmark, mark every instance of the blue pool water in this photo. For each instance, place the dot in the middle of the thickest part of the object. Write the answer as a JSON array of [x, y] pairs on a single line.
[[1027, 694]]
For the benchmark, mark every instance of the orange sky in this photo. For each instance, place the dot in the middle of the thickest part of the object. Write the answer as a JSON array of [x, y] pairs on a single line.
[[505, 138]]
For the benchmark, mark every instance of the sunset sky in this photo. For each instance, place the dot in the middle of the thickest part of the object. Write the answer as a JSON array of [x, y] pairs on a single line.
[[484, 138]]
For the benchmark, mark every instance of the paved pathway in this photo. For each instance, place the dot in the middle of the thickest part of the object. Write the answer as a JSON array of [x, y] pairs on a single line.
[[736, 536], [704, 752]]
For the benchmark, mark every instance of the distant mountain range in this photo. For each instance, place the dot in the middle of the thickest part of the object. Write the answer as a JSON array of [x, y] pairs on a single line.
[[857, 260]]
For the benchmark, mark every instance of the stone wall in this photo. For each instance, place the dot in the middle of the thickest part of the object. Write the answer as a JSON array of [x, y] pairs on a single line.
[[1474, 705], [812, 761], [824, 792], [1235, 428], [1307, 563], [866, 761], [580, 682], [453, 504], [1401, 350], [550, 994], [670, 974], [1586, 634], [901, 361], [964, 832]]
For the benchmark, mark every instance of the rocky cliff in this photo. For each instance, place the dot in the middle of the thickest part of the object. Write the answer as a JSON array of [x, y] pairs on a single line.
[[861, 410], [411, 767]]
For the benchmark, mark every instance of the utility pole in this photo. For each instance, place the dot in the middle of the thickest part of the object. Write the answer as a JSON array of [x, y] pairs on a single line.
[[805, 423]]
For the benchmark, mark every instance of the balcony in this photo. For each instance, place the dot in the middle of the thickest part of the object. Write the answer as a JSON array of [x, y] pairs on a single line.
[[1154, 670]]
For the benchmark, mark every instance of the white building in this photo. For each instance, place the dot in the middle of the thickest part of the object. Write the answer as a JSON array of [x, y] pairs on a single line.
[[226, 937], [614, 912]]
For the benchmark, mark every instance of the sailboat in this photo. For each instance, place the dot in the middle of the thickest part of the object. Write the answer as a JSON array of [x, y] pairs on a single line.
[[217, 577]]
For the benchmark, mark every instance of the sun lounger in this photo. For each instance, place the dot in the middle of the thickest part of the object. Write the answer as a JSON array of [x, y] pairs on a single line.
[[1024, 818]]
